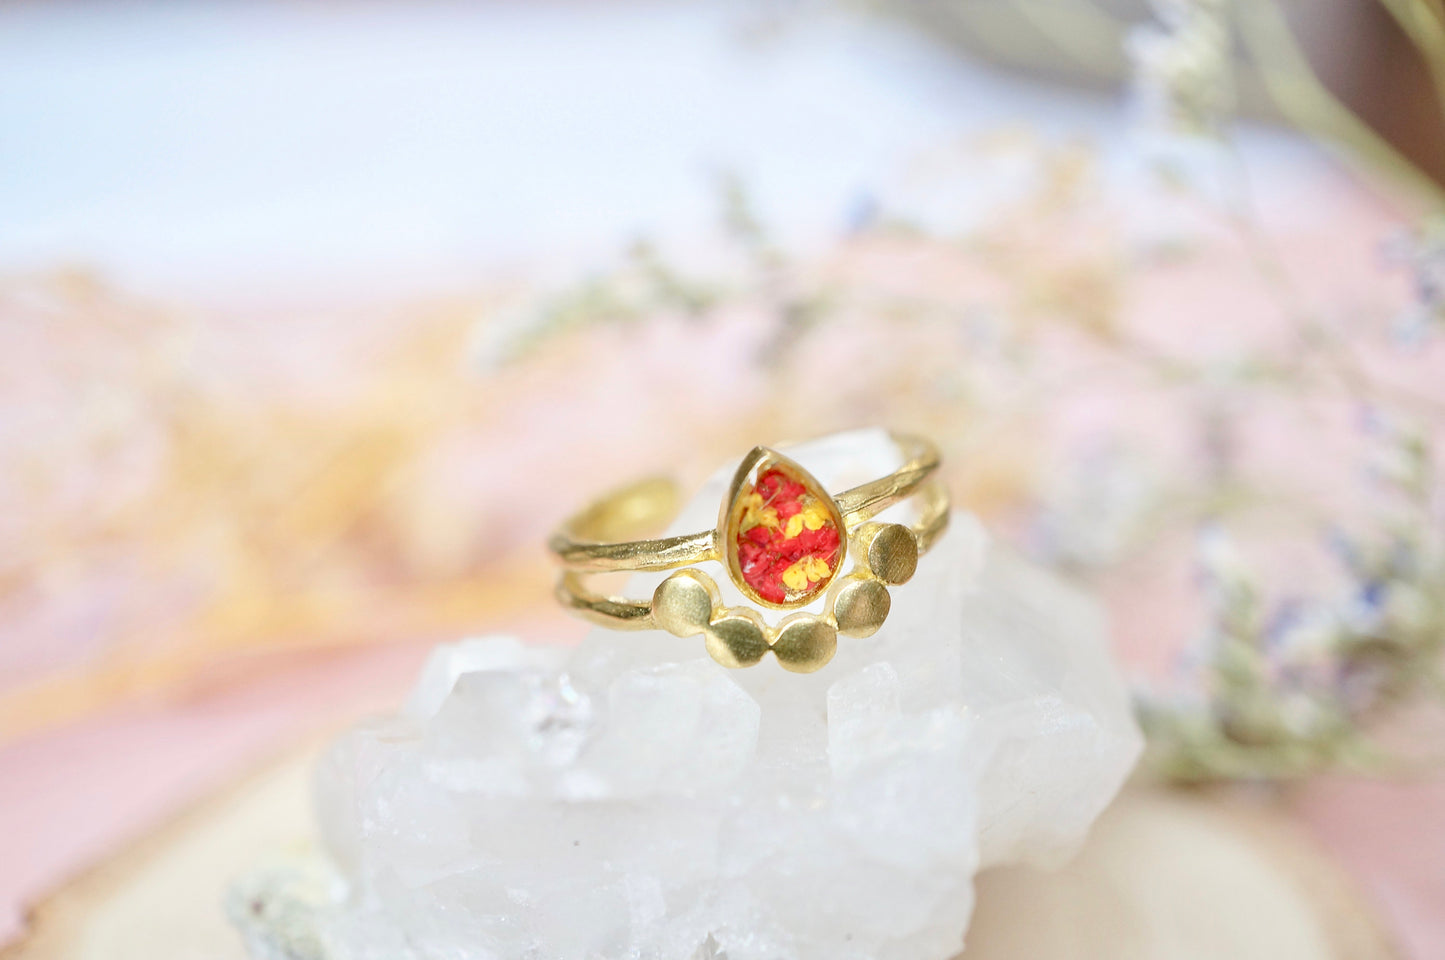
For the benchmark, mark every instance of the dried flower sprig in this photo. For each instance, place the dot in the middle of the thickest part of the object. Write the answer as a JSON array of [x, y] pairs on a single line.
[[1420, 253], [1184, 67], [1291, 689]]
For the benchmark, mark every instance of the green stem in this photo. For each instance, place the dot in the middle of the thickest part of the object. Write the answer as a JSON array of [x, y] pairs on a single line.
[[1305, 102], [1426, 31]]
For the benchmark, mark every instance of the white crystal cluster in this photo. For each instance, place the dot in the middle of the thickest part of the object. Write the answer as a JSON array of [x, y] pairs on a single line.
[[631, 798]]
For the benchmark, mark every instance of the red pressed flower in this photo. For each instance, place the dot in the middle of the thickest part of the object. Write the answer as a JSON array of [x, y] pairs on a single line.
[[768, 559]]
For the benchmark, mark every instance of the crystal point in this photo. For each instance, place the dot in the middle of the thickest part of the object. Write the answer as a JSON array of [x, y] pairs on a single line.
[[631, 797]]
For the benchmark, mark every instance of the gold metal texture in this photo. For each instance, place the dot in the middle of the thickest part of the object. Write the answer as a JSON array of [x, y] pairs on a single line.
[[602, 538]]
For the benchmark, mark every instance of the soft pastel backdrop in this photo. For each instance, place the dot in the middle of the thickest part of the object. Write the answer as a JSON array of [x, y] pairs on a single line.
[[298, 230]]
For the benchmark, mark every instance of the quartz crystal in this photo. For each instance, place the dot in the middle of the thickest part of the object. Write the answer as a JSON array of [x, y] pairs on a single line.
[[629, 797]]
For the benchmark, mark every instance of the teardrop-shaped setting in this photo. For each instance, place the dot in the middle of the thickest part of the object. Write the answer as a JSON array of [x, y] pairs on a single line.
[[781, 532]]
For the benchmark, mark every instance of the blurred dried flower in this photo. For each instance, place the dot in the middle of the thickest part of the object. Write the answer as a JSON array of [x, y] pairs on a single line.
[[1183, 67], [1421, 254]]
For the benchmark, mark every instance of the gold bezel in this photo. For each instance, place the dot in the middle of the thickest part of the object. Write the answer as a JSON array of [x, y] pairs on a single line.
[[758, 461]]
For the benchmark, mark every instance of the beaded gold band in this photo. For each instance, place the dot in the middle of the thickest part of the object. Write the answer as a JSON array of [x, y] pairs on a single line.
[[783, 540]]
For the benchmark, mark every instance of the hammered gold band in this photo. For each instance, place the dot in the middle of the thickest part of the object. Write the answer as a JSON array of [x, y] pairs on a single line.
[[783, 540]]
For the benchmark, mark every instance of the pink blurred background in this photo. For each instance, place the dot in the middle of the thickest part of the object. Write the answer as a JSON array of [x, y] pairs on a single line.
[[261, 267]]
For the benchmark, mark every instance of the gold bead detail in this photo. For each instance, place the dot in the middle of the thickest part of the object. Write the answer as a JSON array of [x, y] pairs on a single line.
[[860, 606], [737, 638], [892, 551], [805, 643], [683, 603]]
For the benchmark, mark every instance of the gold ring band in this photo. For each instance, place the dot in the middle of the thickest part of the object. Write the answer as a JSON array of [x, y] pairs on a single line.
[[783, 540]]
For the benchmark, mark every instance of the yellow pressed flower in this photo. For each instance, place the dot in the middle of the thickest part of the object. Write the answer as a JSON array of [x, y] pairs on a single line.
[[805, 571], [813, 516], [756, 513]]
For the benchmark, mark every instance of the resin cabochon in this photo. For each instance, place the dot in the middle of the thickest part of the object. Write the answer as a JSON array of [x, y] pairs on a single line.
[[829, 464], [783, 537]]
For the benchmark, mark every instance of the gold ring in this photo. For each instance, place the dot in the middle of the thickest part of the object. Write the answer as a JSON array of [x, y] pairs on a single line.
[[783, 541]]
